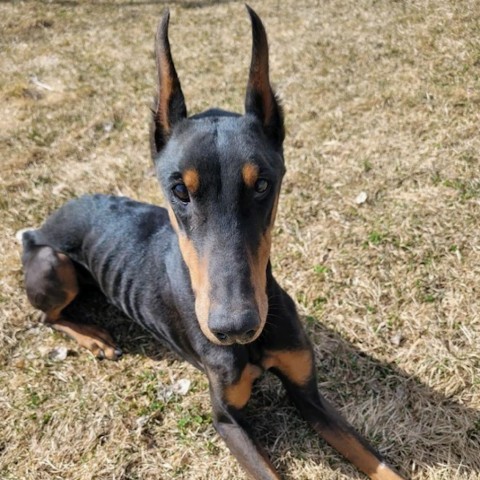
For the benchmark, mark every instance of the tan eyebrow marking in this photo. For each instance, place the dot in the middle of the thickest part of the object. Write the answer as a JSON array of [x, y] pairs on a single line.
[[191, 179], [250, 174]]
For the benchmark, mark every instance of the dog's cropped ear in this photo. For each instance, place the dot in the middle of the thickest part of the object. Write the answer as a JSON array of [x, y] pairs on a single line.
[[169, 107], [260, 99]]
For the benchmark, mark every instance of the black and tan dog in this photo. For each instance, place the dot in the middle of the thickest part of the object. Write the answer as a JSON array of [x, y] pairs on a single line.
[[197, 275]]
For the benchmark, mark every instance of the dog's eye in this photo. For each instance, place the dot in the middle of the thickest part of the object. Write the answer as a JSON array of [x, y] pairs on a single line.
[[261, 185], [181, 192]]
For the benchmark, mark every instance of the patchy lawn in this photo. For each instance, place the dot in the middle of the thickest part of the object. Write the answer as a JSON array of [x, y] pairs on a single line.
[[377, 236]]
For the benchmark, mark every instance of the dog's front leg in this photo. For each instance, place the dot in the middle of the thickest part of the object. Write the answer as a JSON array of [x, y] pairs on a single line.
[[296, 369], [228, 401]]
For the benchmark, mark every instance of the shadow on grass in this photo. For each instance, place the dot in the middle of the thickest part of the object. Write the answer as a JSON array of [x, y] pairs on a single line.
[[412, 425]]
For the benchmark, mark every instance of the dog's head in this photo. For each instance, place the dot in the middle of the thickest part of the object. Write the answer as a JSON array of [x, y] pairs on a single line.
[[221, 174]]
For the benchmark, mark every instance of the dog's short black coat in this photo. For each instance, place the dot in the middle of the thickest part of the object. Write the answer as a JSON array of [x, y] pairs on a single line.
[[197, 275]]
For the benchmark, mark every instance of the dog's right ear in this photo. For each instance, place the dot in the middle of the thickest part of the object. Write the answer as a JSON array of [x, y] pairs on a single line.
[[169, 107]]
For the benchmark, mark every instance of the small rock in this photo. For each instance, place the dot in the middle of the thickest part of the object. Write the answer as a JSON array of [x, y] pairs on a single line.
[[37, 330], [182, 386], [396, 339], [142, 421], [58, 189], [58, 354], [361, 198], [108, 127]]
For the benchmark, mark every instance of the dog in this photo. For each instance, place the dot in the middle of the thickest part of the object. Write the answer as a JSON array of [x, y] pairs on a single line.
[[197, 274]]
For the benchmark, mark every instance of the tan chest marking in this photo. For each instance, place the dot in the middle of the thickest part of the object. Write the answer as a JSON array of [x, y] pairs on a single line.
[[238, 394], [296, 365]]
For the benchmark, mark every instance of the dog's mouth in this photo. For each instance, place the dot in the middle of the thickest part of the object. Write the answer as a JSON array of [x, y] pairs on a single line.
[[230, 342]]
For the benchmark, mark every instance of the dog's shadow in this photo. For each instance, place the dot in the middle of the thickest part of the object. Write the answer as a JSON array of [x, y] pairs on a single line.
[[415, 427]]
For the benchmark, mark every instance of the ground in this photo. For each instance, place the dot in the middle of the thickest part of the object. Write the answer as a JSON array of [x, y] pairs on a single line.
[[377, 235]]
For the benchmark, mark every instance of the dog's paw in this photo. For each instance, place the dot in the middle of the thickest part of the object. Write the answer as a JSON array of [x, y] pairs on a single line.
[[103, 351]]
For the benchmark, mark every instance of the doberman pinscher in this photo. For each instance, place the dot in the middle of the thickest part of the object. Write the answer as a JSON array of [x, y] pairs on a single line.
[[197, 275]]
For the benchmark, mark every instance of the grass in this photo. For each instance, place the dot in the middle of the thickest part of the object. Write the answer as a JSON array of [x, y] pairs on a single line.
[[380, 97]]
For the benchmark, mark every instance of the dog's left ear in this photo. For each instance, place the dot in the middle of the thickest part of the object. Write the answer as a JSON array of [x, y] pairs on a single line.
[[260, 99], [169, 107]]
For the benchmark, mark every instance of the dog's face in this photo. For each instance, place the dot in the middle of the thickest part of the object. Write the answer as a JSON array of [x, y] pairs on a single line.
[[221, 174]]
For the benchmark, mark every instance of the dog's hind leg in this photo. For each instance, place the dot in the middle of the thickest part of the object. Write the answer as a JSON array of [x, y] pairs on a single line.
[[51, 283]]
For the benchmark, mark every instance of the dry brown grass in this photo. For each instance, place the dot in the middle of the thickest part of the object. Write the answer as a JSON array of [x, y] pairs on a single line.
[[380, 97]]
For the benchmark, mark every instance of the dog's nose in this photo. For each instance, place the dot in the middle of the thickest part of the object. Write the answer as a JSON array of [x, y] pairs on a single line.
[[231, 328]]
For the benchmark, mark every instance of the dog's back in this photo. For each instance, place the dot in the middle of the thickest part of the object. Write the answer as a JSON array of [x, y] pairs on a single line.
[[91, 229]]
